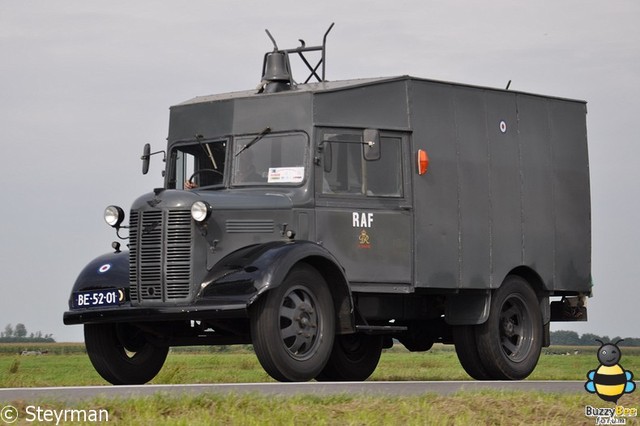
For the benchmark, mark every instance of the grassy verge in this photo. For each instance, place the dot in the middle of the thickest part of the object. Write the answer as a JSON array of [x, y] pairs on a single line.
[[487, 407], [69, 365], [66, 367]]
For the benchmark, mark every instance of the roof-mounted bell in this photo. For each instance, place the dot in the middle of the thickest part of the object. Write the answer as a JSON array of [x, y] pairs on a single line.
[[276, 68], [276, 75]]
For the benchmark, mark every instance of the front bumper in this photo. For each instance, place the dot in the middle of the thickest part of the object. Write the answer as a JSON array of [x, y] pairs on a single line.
[[155, 313]]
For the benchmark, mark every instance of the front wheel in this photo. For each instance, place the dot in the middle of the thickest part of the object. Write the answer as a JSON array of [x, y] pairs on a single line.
[[293, 326], [121, 353], [509, 342]]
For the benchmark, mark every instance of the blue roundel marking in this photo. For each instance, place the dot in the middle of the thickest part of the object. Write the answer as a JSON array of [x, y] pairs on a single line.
[[503, 126], [104, 268]]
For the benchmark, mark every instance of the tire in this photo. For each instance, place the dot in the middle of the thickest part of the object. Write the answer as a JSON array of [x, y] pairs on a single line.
[[293, 326], [464, 339], [354, 358], [509, 342], [122, 355]]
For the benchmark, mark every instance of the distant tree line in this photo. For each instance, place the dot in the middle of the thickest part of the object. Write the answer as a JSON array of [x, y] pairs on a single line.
[[571, 338], [19, 334]]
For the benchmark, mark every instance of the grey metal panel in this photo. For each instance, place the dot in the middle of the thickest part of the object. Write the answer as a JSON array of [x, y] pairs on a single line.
[[208, 119], [380, 106], [289, 111], [435, 193], [571, 195], [473, 188], [382, 257], [506, 207], [537, 192]]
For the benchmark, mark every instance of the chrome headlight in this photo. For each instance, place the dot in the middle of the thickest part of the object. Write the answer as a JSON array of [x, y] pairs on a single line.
[[114, 216], [200, 211]]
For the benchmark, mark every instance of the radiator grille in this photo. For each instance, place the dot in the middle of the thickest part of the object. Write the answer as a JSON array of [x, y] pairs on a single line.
[[160, 251]]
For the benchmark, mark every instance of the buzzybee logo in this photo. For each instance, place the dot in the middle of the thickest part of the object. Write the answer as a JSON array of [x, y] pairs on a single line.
[[609, 381]]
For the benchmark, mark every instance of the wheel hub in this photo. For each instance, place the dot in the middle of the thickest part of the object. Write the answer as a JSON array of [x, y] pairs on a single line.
[[515, 329], [299, 324], [508, 327], [304, 318]]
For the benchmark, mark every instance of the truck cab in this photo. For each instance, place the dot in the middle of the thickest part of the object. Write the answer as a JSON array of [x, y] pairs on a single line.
[[323, 221]]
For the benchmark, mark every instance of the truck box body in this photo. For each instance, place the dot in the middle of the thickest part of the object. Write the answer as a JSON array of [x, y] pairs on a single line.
[[507, 185]]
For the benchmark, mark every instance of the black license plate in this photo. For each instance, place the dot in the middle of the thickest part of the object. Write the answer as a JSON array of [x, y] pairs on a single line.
[[98, 298]]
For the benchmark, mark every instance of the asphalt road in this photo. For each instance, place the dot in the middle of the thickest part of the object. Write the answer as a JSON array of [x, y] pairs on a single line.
[[287, 389]]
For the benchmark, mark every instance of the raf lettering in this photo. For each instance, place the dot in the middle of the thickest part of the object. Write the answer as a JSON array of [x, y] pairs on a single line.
[[362, 220]]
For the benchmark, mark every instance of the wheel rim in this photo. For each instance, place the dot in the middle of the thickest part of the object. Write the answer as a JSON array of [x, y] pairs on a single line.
[[516, 329], [300, 324]]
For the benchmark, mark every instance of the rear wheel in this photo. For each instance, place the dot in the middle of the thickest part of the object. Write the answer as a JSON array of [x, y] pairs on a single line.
[[122, 354], [354, 358], [464, 339], [509, 342], [293, 326]]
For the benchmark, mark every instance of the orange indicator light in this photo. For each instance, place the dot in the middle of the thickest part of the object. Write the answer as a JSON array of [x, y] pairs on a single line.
[[423, 161]]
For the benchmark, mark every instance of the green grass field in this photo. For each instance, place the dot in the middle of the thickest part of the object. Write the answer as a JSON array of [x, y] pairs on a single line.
[[67, 365]]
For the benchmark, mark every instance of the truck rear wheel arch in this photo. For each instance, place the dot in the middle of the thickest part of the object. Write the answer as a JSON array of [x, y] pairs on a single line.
[[539, 287], [472, 307]]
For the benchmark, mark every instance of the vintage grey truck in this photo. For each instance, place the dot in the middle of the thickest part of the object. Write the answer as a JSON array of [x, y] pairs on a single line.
[[323, 221]]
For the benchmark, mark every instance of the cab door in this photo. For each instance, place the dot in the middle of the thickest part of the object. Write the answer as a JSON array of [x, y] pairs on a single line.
[[364, 210]]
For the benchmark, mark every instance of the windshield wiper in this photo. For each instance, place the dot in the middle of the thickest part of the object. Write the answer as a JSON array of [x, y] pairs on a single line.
[[254, 140], [207, 151]]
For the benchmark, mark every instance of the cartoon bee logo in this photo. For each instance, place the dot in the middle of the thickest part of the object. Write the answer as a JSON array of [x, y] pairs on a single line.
[[609, 381]]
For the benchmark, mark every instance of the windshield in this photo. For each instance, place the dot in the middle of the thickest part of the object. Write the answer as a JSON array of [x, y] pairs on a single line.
[[273, 159], [197, 164]]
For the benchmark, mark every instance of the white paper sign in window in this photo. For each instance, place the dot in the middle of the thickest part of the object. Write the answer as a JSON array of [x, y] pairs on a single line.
[[286, 175]]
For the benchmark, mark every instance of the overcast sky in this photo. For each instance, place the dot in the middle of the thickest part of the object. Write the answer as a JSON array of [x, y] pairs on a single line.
[[84, 84]]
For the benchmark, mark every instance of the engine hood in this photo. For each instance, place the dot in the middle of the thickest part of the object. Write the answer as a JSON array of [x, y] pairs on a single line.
[[219, 200]]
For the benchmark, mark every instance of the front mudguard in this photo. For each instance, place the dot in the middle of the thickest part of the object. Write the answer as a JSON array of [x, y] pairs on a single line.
[[228, 290], [110, 270], [251, 271]]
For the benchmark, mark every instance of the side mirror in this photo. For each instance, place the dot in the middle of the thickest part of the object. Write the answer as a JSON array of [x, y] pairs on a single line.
[[371, 144], [146, 154]]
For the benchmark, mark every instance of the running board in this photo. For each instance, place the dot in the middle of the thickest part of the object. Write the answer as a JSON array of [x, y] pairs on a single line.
[[380, 329]]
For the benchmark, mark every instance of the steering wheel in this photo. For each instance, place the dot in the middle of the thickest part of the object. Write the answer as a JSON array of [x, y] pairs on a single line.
[[196, 173]]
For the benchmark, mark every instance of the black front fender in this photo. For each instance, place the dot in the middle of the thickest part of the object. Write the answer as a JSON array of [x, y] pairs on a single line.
[[253, 270], [110, 270]]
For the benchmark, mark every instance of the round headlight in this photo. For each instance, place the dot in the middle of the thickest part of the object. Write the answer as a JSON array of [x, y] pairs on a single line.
[[114, 216], [200, 211]]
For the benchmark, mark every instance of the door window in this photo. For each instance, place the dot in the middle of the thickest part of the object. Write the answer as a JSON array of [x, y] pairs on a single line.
[[345, 170]]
